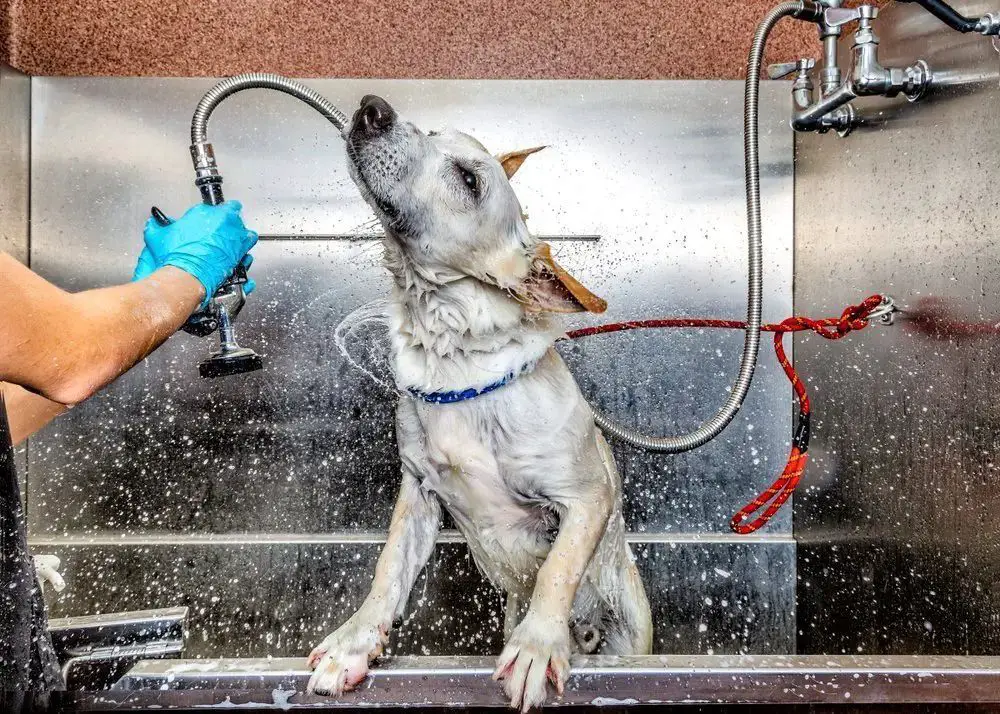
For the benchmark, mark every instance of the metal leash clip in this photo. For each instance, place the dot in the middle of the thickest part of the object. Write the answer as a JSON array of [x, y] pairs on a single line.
[[884, 313]]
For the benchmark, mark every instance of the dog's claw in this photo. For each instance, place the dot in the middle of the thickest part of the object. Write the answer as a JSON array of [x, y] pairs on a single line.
[[314, 657], [341, 661], [504, 664], [557, 680], [537, 652], [334, 676], [499, 674]]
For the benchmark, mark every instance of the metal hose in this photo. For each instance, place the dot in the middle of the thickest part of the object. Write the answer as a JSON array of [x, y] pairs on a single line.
[[260, 80], [711, 428], [210, 182], [227, 301], [208, 179]]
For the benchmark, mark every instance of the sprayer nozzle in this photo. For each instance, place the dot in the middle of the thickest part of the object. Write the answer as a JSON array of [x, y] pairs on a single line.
[[233, 362]]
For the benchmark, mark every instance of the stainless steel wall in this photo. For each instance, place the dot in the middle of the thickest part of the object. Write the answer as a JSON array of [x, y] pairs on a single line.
[[15, 130], [899, 543], [260, 500], [15, 127]]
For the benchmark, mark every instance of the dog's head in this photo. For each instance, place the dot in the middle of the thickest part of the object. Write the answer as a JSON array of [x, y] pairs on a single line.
[[447, 205]]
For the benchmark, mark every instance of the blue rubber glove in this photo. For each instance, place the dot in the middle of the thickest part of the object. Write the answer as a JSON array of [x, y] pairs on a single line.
[[208, 242]]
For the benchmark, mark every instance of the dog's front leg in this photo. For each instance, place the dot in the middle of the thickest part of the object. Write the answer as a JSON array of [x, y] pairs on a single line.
[[341, 661], [539, 648]]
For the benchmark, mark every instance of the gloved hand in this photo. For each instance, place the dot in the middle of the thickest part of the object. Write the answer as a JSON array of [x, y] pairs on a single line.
[[208, 242]]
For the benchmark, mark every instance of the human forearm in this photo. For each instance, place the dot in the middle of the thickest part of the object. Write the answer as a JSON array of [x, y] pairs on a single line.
[[118, 326], [66, 346]]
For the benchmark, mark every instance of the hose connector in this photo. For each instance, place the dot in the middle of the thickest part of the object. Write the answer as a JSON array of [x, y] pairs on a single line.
[[206, 172], [809, 11], [989, 24]]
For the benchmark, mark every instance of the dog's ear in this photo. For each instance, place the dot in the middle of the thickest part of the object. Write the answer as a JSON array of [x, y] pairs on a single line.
[[512, 162], [549, 288]]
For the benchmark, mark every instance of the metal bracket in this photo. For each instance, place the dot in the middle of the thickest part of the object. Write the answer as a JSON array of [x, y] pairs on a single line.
[[885, 313]]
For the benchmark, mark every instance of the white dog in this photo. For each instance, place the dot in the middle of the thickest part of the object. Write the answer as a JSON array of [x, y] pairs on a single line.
[[493, 426]]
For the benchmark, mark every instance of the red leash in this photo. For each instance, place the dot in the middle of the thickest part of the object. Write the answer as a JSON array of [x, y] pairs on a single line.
[[855, 317]]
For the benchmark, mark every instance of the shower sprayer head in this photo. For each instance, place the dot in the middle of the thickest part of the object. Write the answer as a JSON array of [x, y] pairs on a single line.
[[225, 364], [219, 314], [227, 302]]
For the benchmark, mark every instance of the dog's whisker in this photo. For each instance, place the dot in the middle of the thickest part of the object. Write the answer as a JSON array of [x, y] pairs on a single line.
[[367, 226]]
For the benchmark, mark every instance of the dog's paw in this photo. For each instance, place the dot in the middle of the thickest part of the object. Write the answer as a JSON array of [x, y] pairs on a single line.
[[340, 662], [536, 653]]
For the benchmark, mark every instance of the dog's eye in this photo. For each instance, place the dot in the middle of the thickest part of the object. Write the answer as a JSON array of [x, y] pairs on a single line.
[[470, 180]]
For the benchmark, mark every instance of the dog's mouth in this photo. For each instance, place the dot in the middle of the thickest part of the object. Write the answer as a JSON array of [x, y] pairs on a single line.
[[372, 123], [389, 212]]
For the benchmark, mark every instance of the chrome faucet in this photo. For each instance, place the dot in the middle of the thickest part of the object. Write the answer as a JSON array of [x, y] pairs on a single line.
[[866, 76]]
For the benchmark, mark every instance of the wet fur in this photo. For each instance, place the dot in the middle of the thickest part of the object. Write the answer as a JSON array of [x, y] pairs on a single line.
[[527, 477]]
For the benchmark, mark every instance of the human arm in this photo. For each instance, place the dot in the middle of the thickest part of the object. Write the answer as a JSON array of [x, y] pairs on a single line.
[[27, 412], [64, 346]]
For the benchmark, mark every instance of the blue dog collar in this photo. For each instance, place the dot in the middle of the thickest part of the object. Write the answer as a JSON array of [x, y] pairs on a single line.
[[471, 393]]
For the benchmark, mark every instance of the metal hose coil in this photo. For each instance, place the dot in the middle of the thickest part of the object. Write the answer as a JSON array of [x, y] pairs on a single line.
[[260, 80], [711, 428]]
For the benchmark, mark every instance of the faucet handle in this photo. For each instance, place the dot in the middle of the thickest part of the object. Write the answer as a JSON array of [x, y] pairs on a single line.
[[777, 71], [837, 16]]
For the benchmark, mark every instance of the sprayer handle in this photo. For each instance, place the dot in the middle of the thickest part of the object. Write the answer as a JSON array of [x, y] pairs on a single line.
[[204, 322], [211, 190]]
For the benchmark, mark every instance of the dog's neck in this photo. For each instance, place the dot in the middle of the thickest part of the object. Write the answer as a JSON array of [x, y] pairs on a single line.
[[451, 333]]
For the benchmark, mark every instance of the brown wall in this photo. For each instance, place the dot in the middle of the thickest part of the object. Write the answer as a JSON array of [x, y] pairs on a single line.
[[6, 10], [663, 39]]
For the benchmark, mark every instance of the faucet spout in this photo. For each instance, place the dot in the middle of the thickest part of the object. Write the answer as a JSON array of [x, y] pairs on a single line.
[[827, 113], [866, 76]]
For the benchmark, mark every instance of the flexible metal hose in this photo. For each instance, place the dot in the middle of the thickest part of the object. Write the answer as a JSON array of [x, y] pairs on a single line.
[[260, 80], [711, 428], [226, 303]]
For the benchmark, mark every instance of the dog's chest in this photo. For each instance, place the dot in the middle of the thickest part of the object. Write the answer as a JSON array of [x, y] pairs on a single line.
[[508, 527], [470, 473]]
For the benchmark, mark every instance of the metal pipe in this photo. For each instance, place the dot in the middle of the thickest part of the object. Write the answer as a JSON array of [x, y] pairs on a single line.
[[948, 15], [830, 50], [621, 683], [227, 336], [808, 118], [830, 74], [803, 9]]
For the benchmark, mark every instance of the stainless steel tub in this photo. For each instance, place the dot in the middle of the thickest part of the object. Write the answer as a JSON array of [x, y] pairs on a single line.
[[465, 682]]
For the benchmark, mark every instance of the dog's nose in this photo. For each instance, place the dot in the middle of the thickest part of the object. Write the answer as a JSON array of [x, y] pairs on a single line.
[[375, 114]]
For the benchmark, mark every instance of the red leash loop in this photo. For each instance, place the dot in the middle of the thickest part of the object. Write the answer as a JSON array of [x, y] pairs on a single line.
[[855, 317]]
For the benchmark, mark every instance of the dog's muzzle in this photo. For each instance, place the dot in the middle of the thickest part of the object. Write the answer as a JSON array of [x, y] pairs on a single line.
[[372, 119]]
